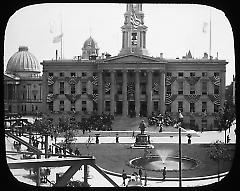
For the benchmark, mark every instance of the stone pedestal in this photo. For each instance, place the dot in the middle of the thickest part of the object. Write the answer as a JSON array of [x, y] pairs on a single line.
[[142, 141]]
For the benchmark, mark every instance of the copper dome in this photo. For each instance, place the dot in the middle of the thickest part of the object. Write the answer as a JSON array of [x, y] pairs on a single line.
[[23, 61]]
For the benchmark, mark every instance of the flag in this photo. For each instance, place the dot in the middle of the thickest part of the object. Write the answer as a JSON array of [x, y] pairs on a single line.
[[58, 38], [107, 87], [130, 88], [134, 20], [155, 86], [205, 25]]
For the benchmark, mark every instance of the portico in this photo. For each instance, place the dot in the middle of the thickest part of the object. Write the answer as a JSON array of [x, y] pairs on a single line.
[[131, 88]]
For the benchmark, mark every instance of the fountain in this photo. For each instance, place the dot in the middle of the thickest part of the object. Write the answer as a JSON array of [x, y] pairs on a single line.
[[156, 162], [163, 154]]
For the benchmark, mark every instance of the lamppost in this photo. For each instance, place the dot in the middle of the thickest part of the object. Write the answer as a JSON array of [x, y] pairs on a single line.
[[180, 120]]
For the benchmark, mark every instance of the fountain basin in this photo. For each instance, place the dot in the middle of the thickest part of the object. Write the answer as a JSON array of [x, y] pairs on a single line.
[[155, 163]]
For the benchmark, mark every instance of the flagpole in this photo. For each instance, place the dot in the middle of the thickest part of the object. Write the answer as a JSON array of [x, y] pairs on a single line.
[[210, 35], [61, 40]]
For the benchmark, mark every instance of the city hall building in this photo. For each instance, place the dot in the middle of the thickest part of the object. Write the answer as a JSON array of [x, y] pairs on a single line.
[[134, 83]]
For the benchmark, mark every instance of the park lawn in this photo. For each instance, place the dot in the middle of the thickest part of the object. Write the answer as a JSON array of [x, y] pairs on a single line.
[[114, 157]]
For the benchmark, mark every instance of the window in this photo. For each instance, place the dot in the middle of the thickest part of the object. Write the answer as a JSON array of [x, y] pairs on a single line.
[[216, 89], [168, 89], [216, 74], [180, 88], [61, 74], [72, 106], [107, 106], [180, 106], [169, 74], [204, 74], [73, 89], [143, 88], [84, 87], [61, 87], [73, 74], [84, 74], [204, 106], [155, 106], [192, 74], [168, 108], [84, 106], [180, 74], [204, 88], [192, 107], [50, 106], [119, 88], [192, 89], [50, 89], [50, 74], [61, 106], [216, 108]]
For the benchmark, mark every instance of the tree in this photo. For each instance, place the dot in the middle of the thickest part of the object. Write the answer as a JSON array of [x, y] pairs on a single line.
[[218, 151], [226, 117]]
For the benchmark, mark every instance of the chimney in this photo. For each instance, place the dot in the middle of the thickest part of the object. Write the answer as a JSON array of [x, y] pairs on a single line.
[[161, 55], [56, 54]]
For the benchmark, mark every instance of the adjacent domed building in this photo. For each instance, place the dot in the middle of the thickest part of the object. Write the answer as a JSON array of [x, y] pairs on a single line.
[[23, 63], [23, 83]]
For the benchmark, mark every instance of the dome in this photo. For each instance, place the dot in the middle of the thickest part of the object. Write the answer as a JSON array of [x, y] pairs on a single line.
[[90, 43], [23, 61]]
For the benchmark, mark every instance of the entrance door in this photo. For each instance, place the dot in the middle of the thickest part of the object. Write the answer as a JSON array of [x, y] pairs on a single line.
[[143, 108], [119, 107], [131, 108]]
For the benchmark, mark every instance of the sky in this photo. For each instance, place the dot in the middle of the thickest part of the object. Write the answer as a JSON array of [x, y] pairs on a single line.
[[172, 30]]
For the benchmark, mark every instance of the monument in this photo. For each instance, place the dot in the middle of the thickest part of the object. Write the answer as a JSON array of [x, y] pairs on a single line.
[[142, 140]]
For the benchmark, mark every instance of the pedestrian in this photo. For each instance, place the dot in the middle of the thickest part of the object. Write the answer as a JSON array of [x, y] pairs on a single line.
[[228, 139], [56, 150], [202, 129], [145, 178], [124, 177], [117, 138], [76, 152], [42, 143], [51, 137], [70, 150], [164, 173], [140, 173], [133, 134]]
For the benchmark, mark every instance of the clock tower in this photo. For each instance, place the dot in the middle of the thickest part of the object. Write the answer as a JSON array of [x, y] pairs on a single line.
[[134, 31]]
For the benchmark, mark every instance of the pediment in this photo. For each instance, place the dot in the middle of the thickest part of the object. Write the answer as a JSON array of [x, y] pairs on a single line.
[[131, 58]]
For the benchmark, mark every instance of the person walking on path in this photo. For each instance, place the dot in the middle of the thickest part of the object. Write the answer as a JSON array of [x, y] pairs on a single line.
[[164, 173], [140, 173], [133, 134], [124, 177], [145, 184]]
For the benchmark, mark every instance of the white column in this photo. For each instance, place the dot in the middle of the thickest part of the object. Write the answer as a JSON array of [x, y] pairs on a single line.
[[137, 93], [162, 92], [112, 108], [149, 92], [124, 92]]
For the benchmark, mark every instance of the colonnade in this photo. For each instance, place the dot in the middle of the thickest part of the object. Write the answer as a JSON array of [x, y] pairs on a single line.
[[137, 97]]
